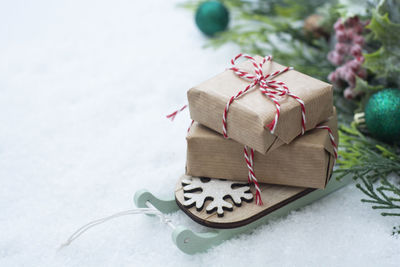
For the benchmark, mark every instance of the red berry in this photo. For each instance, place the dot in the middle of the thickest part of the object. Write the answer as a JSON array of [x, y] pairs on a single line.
[[348, 93], [348, 53], [358, 39], [338, 25], [341, 36]]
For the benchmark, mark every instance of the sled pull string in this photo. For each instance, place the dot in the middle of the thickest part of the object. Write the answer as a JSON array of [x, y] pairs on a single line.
[[151, 210]]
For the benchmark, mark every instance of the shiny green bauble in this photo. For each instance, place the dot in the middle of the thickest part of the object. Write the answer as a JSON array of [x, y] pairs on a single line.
[[382, 115], [212, 17]]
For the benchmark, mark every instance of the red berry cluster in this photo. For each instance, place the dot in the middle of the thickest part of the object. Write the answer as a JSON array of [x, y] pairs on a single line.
[[347, 54]]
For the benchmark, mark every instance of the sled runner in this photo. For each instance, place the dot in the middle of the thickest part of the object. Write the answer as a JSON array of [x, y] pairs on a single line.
[[228, 213]]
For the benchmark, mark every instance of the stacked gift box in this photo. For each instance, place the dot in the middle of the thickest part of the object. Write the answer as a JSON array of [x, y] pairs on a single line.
[[286, 124]]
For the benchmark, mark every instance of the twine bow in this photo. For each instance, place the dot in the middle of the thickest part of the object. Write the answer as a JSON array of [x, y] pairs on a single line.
[[274, 90]]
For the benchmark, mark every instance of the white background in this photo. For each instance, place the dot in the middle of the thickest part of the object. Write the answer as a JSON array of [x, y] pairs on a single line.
[[84, 89]]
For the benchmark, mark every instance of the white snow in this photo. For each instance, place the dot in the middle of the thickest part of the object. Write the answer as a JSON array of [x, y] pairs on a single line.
[[84, 90]]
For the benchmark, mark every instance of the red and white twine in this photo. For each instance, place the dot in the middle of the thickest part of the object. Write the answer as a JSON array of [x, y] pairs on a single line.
[[249, 157], [176, 112], [173, 114], [274, 90], [332, 138]]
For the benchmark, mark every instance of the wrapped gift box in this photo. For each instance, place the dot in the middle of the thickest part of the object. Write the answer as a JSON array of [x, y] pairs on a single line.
[[249, 115], [306, 162]]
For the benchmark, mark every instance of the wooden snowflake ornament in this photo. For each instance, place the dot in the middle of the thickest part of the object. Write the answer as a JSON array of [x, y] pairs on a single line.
[[198, 190]]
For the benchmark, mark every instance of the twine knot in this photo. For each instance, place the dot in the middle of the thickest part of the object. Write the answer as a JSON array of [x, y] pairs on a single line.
[[273, 89]]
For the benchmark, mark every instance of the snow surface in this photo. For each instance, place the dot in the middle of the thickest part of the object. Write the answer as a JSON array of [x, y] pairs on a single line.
[[84, 87]]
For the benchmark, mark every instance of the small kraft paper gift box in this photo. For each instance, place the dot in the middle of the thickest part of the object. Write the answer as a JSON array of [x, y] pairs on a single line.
[[306, 162], [281, 105]]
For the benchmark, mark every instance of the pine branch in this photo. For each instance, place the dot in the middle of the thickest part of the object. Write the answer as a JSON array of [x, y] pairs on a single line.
[[371, 162], [276, 27]]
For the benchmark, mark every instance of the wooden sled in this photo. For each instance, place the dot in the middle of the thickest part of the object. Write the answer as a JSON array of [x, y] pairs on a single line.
[[278, 202]]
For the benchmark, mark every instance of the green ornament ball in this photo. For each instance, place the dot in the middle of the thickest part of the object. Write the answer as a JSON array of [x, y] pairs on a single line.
[[212, 17], [382, 115]]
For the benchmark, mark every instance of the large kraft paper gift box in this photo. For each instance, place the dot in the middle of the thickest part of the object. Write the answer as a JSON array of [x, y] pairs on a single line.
[[306, 162], [248, 115]]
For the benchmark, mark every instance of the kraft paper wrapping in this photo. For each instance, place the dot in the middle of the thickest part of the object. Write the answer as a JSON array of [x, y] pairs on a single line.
[[306, 162], [249, 115]]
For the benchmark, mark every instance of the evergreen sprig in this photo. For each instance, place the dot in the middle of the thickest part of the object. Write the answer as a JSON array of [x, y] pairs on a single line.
[[385, 196], [276, 27], [371, 163], [360, 153]]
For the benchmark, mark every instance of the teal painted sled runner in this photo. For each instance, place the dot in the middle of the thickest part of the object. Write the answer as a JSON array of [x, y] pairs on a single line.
[[231, 224]]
